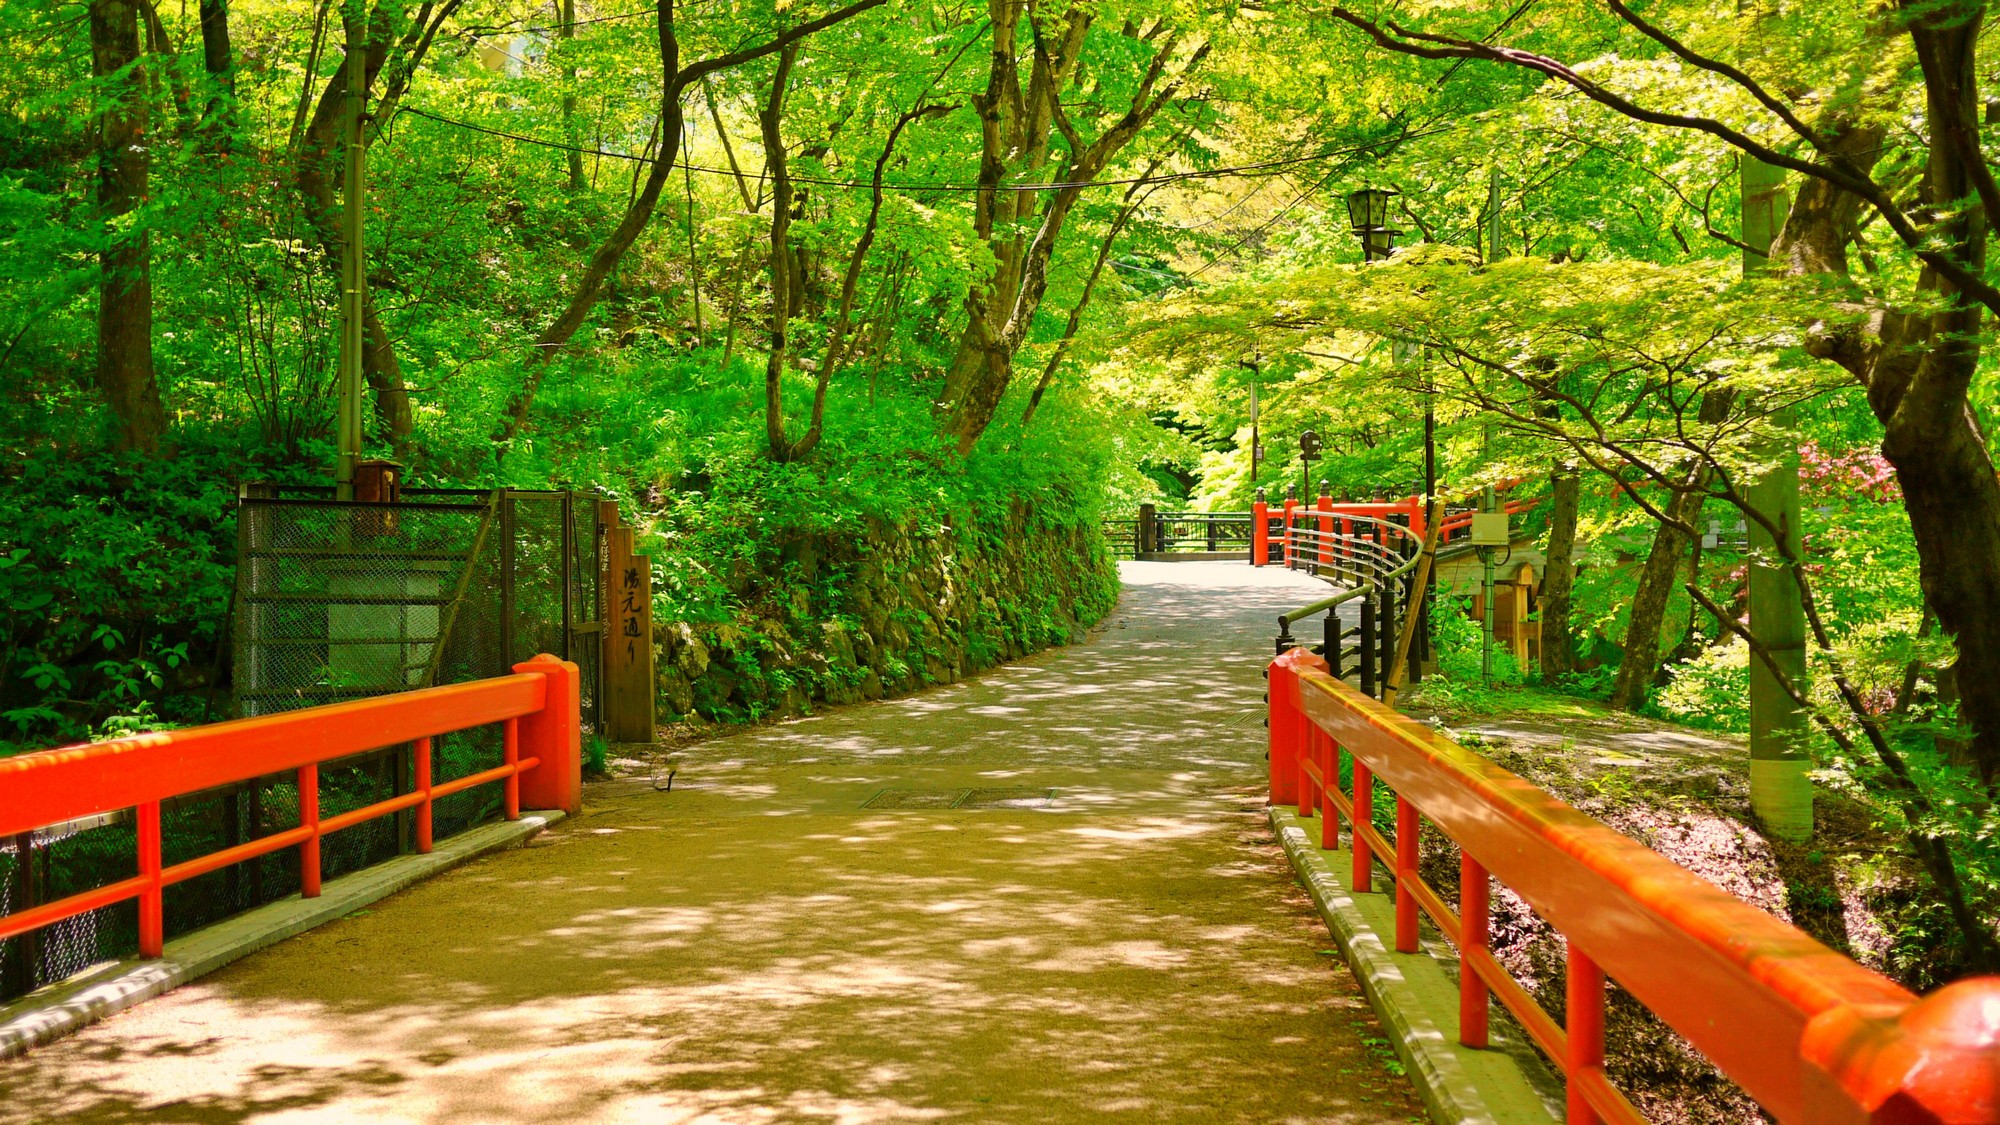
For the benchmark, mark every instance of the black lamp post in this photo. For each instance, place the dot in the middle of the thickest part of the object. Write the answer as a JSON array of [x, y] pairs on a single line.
[[1368, 214]]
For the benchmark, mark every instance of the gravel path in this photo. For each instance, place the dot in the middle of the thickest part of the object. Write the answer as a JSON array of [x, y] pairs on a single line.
[[1112, 937]]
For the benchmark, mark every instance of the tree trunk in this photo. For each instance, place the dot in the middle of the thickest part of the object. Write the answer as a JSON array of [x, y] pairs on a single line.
[[1657, 581], [159, 42], [1953, 501], [1919, 371], [1104, 248], [307, 80], [735, 302], [1660, 576], [125, 289], [1692, 641], [567, 32], [674, 80], [1941, 460], [219, 119], [384, 376], [1016, 129], [1559, 575], [694, 253], [1012, 127], [784, 281]]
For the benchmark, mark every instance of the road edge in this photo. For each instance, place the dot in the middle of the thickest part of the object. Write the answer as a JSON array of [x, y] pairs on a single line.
[[104, 989]]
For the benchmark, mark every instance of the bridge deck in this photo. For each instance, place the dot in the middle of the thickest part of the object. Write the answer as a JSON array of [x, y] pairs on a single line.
[[758, 946]]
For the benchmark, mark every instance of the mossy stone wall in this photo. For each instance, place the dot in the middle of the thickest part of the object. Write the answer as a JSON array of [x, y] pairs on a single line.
[[886, 611]]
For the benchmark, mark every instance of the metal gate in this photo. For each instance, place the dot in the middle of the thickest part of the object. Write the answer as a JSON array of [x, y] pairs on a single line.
[[337, 601]]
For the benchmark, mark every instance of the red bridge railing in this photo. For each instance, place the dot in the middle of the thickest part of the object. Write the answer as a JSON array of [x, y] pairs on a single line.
[[1814, 1037], [541, 765], [1285, 532]]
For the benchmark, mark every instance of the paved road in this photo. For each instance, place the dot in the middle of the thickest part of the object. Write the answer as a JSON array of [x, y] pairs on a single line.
[[775, 941]]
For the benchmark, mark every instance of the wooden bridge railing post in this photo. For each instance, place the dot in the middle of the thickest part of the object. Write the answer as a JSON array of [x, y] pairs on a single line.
[[1475, 912], [1260, 531], [553, 734], [1584, 1034], [1815, 1038], [1291, 517], [1287, 724], [152, 908]]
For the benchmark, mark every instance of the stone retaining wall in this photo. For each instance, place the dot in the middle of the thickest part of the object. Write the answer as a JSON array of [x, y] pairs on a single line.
[[885, 612]]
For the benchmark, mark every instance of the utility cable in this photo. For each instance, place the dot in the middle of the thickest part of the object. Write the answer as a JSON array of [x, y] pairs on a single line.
[[1172, 177], [504, 29]]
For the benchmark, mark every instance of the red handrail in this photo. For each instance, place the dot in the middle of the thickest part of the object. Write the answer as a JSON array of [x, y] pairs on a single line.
[[1410, 507], [1814, 1037], [538, 706]]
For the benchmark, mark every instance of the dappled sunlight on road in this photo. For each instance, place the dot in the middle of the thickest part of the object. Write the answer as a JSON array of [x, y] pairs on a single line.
[[756, 946]]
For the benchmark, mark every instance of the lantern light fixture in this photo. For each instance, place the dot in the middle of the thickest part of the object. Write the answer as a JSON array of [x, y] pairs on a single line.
[[1368, 214]]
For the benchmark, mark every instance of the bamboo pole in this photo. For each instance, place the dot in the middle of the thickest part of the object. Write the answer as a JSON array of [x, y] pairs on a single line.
[[1413, 612]]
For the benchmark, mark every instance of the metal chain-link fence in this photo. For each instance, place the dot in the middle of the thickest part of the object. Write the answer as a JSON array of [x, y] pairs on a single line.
[[336, 601]]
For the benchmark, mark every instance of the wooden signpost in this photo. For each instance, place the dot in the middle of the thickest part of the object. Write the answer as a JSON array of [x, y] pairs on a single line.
[[628, 638]]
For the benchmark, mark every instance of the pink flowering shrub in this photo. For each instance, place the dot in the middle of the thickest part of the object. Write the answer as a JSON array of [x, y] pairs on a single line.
[[1858, 473]]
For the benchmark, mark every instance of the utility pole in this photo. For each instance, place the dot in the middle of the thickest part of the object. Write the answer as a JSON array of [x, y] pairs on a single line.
[[1488, 503], [1780, 792], [353, 270], [1489, 500], [1253, 364], [1493, 251]]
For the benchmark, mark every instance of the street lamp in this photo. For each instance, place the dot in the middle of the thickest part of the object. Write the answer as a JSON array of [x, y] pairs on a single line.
[[1368, 214]]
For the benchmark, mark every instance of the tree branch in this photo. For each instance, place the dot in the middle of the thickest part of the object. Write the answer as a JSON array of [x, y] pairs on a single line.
[[1840, 173]]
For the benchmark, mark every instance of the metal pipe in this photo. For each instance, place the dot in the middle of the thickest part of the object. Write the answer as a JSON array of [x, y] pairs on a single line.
[[353, 271]]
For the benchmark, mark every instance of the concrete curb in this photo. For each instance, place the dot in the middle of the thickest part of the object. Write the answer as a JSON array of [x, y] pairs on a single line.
[[57, 1009], [1416, 999]]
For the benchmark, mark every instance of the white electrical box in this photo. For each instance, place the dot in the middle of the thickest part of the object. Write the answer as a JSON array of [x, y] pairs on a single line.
[[1489, 529]]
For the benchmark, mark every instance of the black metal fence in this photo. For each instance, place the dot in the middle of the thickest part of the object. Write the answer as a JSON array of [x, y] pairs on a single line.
[[1121, 537], [1153, 533], [340, 600], [1375, 558], [336, 601]]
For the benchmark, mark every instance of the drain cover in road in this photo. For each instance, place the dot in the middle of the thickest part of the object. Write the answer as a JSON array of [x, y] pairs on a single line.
[[1007, 799], [916, 799], [1012, 797]]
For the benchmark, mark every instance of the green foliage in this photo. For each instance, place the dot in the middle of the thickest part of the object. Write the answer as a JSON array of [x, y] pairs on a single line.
[[115, 573], [1710, 689]]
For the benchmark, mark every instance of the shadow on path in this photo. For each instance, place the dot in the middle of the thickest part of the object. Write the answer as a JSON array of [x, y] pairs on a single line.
[[757, 946]]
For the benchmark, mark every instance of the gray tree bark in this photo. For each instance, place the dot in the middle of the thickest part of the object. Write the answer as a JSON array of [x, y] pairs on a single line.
[[1559, 575], [125, 288]]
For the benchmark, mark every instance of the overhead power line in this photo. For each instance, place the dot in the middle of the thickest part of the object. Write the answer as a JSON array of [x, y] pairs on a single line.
[[505, 29], [1172, 177]]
